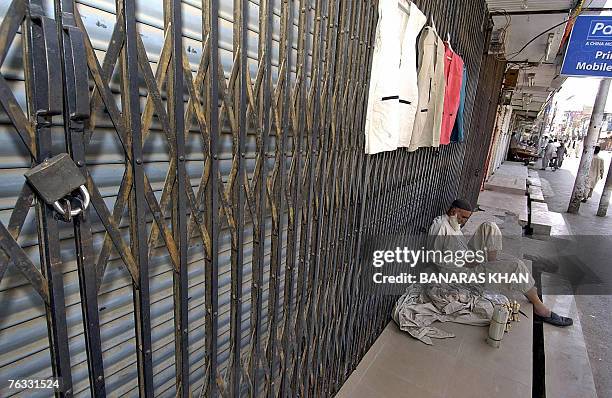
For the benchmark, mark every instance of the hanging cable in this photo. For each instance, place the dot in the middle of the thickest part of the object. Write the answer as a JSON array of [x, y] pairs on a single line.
[[580, 10]]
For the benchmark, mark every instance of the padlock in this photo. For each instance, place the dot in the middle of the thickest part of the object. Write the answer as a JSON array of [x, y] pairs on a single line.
[[57, 178]]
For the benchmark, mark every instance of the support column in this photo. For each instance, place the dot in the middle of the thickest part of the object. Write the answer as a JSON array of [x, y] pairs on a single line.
[[590, 140], [604, 201]]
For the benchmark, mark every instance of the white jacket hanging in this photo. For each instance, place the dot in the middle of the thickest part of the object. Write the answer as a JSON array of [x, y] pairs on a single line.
[[393, 93]]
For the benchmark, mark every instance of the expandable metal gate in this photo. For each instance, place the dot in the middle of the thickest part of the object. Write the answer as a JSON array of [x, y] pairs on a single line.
[[315, 177]]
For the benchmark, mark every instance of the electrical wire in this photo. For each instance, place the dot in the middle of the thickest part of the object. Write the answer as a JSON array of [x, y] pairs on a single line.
[[503, 30], [514, 54], [572, 18]]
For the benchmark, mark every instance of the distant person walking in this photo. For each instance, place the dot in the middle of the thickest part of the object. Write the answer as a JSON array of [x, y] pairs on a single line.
[[561, 150], [596, 172], [549, 150], [542, 145], [578, 149]]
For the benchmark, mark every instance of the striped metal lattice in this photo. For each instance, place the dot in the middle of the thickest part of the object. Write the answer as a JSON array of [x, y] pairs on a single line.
[[261, 157]]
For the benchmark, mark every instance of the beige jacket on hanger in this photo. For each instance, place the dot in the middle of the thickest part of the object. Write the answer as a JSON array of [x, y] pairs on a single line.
[[431, 83], [411, 22]]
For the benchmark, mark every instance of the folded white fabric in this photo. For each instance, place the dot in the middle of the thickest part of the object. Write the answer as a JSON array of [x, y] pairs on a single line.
[[422, 305]]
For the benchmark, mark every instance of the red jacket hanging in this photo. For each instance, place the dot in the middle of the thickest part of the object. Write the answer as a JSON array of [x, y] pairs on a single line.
[[453, 72]]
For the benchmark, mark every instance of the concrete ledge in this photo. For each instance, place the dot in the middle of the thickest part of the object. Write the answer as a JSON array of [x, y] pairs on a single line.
[[568, 369], [536, 194], [513, 169], [506, 184], [541, 220], [461, 367], [534, 181], [465, 366], [512, 203], [487, 214]]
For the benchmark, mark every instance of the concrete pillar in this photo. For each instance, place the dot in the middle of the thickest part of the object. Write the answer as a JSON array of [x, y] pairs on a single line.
[[604, 201], [590, 141]]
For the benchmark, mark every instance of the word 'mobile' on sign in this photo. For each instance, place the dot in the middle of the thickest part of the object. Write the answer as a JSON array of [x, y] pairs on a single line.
[[589, 51]]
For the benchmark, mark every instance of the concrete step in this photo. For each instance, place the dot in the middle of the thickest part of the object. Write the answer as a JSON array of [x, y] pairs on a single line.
[[536, 194], [513, 169], [545, 223], [507, 184], [568, 369], [541, 220], [560, 228], [512, 203], [534, 180]]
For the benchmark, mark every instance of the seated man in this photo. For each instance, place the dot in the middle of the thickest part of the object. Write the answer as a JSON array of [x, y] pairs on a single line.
[[445, 234]]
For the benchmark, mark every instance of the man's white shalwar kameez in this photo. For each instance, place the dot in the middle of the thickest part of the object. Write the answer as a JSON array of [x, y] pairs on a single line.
[[596, 173], [445, 234]]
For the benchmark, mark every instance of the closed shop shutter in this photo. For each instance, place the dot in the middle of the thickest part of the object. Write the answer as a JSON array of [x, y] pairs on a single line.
[[24, 344]]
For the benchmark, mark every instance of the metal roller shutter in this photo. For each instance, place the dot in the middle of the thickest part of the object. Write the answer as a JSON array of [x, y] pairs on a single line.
[[22, 316], [314, 192]]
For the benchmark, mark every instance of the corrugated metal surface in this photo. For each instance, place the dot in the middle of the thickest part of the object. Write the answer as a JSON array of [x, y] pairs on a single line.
[[328, 198], [528, 5], [22, 316], [405, 191], [474, 165]]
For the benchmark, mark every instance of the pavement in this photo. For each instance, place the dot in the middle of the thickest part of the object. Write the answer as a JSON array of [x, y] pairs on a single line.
[[594, 310]]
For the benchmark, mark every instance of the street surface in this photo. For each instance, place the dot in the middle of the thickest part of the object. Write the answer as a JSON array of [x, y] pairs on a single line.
[[595, 310]]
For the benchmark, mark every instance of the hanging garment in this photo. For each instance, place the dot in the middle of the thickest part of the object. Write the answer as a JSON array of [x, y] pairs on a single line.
[[428, 121], [393, 95], [457, 134], [382, 117], [453, 72], [411, 22]]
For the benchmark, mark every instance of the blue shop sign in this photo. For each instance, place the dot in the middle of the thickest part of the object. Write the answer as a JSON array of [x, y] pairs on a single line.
[[589, 51]]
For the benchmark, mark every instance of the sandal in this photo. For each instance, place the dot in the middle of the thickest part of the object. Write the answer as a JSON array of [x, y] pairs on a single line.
[[556, 320]]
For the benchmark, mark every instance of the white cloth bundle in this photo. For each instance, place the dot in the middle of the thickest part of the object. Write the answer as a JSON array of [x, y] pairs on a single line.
[[422, 305]]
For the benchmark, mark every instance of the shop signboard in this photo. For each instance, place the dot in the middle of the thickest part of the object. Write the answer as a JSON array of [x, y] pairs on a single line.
[[589, 51]]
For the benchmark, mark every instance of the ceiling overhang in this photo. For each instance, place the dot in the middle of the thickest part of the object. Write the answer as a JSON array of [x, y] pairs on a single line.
[[533, 31]]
